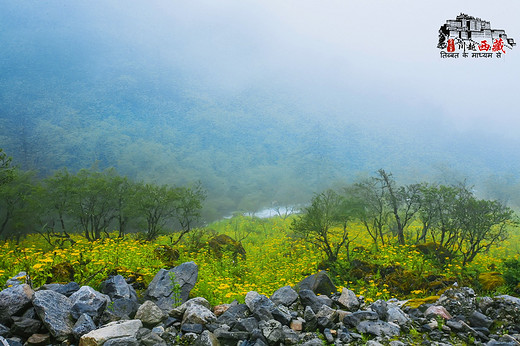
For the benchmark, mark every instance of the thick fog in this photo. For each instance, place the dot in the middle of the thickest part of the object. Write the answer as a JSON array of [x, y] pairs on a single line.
[[261, 101]]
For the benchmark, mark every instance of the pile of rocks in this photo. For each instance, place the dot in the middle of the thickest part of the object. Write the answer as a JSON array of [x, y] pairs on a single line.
[[313, 313]]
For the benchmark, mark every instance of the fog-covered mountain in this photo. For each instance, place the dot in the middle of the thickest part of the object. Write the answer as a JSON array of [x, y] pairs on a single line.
[[248, 99]]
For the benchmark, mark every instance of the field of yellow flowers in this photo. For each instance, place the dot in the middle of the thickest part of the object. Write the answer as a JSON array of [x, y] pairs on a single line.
[[274, 259]]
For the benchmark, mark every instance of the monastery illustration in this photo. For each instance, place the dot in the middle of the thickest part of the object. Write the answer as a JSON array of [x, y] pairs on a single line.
[[468, 28]]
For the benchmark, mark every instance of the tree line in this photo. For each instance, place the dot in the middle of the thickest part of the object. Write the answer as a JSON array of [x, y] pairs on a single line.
[[450, 216], [93, 203]]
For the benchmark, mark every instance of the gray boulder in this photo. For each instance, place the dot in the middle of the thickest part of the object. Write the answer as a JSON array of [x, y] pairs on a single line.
[[478, 319], [88, 301], [378, 328], [25, 326], [353, 319], [38, 339], [319, 283], [198, 314], [113, 330], [285, 296], [54, 311], [83, 325], [349, 300], [272, 331], [206, 339], [67, 289], [150, 314], [162, 290], [179, 311], [123, 308], [125, 341], [13, 300], [309, 298], [116, 287], [397, 316]]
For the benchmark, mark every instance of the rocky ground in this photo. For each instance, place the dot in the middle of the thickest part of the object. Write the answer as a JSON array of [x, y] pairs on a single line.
[[66, 314]]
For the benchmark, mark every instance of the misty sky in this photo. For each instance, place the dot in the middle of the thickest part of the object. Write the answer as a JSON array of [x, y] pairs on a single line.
[[377, 55], [366, 56]]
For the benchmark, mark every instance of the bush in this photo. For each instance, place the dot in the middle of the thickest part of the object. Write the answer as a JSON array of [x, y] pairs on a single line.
[[512, 273]]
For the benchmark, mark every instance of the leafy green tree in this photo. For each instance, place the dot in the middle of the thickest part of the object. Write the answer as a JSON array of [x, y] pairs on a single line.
[[484, 224], [93, 202], [370, 207], [157, 205], [16, 205], [187, 208], [57, 197], [123, 190], [324, 223], [404, 202], [7, 171], [461, 223], [438, 215]]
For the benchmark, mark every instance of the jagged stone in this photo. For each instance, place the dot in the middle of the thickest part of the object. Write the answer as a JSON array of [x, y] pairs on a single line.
[[13, 300], [311, 321], [38, 340], [478, 319], [309, 298], [349, 300], [437, 310], [220, 309], [272, 331], [152, 339], [227, 337], [5, 331], [30, 313], [328, 335], [123, 308], [381, 308], [88, 301], [112, 330], [116, 287], [231, 316], [206, 339], [282, 315], [161, 289], [25, 326], [83, 325], [179, 311], [195, 328], [458, 301], [397, 316], [245, 325], [260, 306], [313, 342], [355, 318], [378, 328], [54, 309], [14, 341], [289, 336], [150, 314], [67, 289], [319, 283], [285, 296], [198, 314], [125, 341]]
